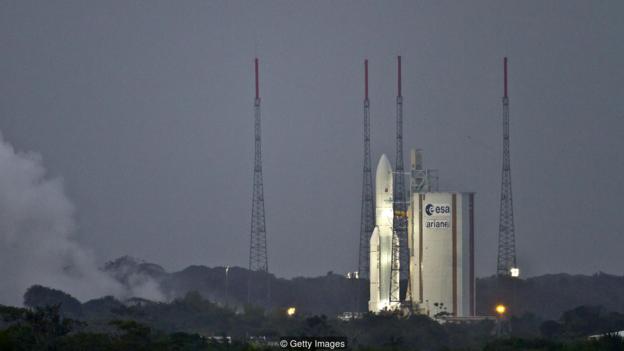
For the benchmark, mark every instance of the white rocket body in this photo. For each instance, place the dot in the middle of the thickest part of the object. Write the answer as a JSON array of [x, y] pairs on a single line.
[[381, 240]]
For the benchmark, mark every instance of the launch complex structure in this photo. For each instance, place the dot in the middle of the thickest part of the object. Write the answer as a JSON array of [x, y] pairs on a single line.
[[416, 244], [422, 246]]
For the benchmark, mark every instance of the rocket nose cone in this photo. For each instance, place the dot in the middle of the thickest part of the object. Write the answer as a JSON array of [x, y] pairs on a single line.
[[384, 164], [375, 235], [383, 167]]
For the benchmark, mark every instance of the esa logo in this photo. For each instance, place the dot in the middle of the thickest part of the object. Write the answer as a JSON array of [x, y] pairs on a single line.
[[432, 209]]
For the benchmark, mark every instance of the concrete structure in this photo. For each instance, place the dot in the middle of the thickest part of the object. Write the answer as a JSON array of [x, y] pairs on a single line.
[[441, 239]]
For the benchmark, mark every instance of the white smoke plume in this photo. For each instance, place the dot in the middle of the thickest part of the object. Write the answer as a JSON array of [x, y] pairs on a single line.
[[36, 246]]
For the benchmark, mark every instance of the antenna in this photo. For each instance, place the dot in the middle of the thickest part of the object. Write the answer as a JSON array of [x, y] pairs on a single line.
[[367, 217], [365, 79], [399, 77], [506, 262], [257, 79], [258, 257], [505, 73]]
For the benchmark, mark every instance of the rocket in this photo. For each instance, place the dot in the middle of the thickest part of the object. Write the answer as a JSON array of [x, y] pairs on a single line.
[[381, 240]]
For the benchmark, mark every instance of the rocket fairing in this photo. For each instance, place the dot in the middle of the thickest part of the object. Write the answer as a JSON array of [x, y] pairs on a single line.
[[381, 239]]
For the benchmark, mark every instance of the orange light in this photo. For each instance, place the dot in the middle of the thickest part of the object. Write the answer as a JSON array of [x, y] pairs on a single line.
[[500, 309], [291, 311]]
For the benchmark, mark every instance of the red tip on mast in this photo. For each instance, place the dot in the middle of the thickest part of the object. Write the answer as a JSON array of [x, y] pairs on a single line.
[[399, 74], [366, 79], [505, 67], [257, 89]]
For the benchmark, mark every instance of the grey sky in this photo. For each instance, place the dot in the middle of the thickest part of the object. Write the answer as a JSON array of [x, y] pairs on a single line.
[[146, 110]]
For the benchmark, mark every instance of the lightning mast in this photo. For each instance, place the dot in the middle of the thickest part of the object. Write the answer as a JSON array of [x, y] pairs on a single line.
[[258, 258], [506, 264], [367, 218], [399, 222]]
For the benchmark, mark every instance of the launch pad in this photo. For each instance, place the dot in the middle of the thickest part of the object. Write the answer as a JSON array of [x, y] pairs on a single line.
[[440, 240]]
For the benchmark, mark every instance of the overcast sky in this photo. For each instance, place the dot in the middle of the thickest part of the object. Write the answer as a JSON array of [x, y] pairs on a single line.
[[145, 109]]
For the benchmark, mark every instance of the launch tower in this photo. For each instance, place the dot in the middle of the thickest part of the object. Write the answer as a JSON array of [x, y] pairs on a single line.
[[506, 265], [399, 224], [367, 219], [258, 258]]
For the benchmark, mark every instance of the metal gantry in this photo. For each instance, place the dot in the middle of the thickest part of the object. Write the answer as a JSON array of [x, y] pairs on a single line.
[[506, 230], [258, 258], [399, 265], [367, 216]]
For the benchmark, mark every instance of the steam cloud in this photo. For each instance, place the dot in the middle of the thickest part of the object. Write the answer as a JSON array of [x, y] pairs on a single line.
[[36, 247]]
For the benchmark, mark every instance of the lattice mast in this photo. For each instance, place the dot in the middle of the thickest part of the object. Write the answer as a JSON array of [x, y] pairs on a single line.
[[506, 229], [258, 258], [367, 217], [399, 223]]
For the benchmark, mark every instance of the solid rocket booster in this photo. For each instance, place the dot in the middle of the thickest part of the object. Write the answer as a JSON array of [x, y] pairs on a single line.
[[373, 303], [382, 238]]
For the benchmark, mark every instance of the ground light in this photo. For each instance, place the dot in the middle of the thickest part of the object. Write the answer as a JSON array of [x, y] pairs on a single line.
[[502, 328], [291, 311]]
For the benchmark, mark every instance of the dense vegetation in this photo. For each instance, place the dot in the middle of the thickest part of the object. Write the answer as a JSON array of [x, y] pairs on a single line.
[[195, 315], [554, 312], [43, 329], [56, 321]]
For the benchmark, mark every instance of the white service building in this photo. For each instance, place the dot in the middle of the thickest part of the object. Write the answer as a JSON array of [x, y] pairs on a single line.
[[441, 246]]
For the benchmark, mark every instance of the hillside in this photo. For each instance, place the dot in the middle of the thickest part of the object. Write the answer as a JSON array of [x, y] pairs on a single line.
[[546, 296]]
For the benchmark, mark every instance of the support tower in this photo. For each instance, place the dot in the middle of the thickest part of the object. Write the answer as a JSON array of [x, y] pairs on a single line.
[[367, 219], [258, 258], [399, 223], [506, 230]]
